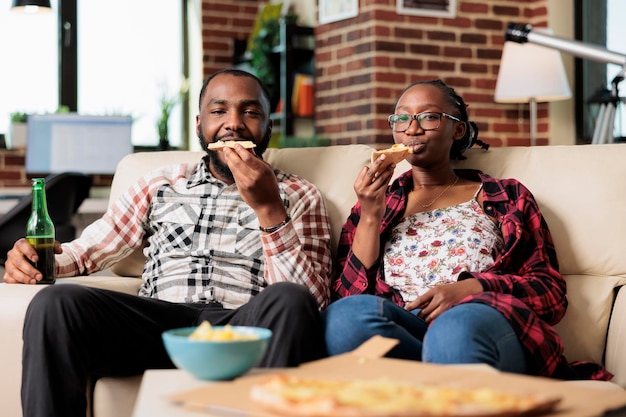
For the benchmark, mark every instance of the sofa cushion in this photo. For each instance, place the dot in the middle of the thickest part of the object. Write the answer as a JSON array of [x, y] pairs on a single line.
[[615, 358], [584, 327]]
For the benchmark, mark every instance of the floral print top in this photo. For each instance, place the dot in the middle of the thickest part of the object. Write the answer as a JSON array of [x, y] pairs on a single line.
[[433, 247]]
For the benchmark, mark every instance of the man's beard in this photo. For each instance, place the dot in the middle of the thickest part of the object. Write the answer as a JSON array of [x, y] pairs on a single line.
[[221, 168]]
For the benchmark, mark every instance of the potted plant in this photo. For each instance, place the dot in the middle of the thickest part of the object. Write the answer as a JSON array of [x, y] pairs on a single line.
[[167, 104], [18, 132]]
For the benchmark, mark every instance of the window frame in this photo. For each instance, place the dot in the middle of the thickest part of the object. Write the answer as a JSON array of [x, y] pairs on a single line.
[[68, 62]]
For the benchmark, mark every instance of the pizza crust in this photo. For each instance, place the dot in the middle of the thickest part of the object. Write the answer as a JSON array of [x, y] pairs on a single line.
[[310, 397], [393, 155], [220, 144]]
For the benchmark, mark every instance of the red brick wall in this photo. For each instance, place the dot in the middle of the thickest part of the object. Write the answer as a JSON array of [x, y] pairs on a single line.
[[364, 63], [223, 21], [13, 171]]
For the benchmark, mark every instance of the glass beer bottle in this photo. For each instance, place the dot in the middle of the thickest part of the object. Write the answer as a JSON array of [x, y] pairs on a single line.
[[40, 233]]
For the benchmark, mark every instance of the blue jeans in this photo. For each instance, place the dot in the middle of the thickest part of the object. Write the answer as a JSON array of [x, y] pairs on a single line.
[[466, 333]]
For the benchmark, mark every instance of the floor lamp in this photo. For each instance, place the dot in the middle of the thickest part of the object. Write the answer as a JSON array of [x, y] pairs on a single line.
[[523, 33], [531, 74]]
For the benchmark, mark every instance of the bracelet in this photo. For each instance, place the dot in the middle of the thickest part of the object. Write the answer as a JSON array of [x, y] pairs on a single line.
[[274, 228]]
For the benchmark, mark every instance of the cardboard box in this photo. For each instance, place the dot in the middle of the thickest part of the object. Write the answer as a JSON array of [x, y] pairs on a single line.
[[366, 362]]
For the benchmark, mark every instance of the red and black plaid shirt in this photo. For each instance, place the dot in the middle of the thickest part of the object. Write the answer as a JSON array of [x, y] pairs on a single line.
[[523, 283]]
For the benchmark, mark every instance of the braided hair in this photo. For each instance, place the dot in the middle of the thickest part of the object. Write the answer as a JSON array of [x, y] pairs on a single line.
[[471, 132]]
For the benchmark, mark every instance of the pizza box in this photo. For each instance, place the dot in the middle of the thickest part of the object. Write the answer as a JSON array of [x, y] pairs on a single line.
[[231, 398]]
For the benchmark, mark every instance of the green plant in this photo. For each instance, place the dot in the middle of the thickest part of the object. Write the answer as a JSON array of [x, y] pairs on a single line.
[[265, 38], [167, 104], [19, 117], [261, 51], [22, 117]]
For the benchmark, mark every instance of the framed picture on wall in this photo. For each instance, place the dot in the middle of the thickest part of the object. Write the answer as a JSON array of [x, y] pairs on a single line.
[[334, 10], [430, 8]]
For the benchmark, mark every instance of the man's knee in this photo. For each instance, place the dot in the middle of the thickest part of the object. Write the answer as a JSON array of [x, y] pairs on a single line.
[[56, 296], [288, 295]]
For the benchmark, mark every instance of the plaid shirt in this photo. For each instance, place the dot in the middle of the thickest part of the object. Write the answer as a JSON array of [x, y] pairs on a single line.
[[203, 240], [523, 283]]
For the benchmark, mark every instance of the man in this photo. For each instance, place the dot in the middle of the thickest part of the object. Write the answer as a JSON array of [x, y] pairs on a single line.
[[230, 240]]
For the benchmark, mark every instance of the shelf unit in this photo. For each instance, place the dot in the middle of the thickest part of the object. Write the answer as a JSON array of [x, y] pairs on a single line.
[[295, 55]]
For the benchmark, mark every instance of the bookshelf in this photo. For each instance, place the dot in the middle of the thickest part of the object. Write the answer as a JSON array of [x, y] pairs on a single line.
[[293, 61], [296, 58]]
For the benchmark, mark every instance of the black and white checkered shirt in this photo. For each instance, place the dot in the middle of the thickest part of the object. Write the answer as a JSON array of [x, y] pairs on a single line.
[[204, 241]]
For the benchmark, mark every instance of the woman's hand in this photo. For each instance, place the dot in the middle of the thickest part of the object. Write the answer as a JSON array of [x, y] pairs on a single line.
[[370, 187], [440, 298]]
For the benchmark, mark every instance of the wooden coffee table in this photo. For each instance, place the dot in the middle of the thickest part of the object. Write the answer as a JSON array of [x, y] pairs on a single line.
[[157, 385]]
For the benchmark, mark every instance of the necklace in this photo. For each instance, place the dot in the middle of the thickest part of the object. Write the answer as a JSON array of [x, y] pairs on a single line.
[[439, 196]]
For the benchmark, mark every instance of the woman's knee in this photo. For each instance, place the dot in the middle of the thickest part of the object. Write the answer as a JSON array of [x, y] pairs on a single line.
[[361, 302], [473, 333], [348, 322], [465, 321]]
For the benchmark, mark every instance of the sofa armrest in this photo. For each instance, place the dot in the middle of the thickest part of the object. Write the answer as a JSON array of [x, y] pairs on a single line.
[[14, 300], [616, 340]]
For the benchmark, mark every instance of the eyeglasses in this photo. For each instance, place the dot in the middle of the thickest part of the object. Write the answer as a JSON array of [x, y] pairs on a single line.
[[428, 120]]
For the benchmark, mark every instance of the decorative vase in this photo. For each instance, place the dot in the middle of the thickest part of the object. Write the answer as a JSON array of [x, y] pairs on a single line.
[[18, 134]]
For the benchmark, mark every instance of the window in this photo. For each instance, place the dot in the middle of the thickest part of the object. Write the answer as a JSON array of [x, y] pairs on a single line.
[[615, 35], [29, 63], [598, 23], [126, 57]]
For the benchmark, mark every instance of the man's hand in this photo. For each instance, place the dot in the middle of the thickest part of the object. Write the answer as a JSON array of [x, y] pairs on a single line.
[[17, 268], [440, 298], [257, 184]]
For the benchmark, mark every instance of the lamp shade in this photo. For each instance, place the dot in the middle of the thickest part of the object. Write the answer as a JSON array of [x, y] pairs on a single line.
[[529, 71], [31, 5]]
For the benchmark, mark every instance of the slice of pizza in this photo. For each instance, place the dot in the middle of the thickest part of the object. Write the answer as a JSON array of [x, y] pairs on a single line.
[[395, 154], [221, 144], [307, 397]]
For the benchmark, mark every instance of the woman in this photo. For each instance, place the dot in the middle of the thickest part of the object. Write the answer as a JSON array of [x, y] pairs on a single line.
[[458, 266]]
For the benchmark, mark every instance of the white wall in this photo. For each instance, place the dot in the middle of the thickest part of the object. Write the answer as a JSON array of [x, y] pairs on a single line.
[[306, 10]]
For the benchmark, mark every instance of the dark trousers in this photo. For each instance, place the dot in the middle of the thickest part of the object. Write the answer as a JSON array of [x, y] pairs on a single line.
[[74, 333]]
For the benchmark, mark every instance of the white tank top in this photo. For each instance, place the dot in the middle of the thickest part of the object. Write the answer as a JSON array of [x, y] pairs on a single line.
[[433, 247]]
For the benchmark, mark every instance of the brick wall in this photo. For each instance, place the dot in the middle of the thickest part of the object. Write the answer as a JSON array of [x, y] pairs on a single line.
[[222, 22], [13, 172], [364, 63]]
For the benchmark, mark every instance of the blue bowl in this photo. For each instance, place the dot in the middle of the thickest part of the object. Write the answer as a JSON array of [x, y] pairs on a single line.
[[216, 360]]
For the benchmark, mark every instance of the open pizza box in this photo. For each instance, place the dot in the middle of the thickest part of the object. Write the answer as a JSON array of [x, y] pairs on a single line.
[[571, 399]]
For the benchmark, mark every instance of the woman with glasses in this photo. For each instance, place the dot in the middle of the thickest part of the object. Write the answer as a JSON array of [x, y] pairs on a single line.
[[459, 267]]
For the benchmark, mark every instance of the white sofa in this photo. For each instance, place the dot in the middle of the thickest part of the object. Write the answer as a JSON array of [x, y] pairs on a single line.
[[580, 190]]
